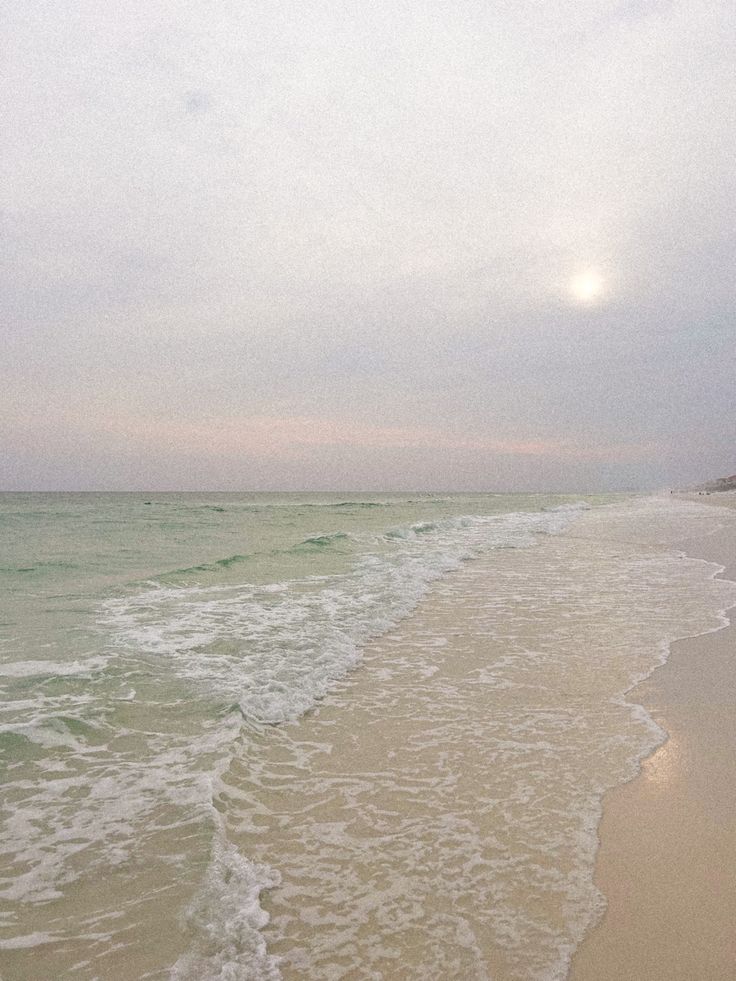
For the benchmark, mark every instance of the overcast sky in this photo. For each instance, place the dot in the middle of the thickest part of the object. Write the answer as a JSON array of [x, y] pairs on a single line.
[[478, 244]]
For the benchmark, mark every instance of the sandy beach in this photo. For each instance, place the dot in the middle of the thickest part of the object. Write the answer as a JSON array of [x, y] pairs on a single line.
[[668, 837]]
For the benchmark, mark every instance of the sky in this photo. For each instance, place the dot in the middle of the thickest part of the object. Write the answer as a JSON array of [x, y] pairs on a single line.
[[368, 244]]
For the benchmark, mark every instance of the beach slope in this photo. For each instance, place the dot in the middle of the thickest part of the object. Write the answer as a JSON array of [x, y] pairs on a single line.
[[668, 838]]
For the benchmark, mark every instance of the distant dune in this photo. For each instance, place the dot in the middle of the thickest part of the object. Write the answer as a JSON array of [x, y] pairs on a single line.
[[719, 484]]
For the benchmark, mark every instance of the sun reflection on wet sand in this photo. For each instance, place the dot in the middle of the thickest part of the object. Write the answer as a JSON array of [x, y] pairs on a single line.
[[664, 768]]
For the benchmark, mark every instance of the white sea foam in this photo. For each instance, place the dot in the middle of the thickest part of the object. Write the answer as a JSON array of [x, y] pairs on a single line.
[[226, 919], [567, 507], [28, 940], [53, 669]]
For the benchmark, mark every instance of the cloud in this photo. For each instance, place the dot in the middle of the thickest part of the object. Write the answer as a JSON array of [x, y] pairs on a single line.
[[197, 102]]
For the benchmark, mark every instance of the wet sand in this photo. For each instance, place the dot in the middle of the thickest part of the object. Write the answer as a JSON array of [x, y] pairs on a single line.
[[668, 838]]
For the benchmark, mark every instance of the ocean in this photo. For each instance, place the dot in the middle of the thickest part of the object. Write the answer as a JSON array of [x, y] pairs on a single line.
[[324, 736]]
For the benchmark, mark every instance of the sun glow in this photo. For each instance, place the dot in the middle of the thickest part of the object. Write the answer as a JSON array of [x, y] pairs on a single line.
[[587, 287]]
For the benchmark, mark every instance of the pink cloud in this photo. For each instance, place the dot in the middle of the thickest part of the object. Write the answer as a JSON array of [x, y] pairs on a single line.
[[279, 436]]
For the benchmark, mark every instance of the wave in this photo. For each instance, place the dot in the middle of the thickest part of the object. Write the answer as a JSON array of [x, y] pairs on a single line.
[[277, 649], [268, 505], [358, 504], [38, 567], [317, 543], [215, 566], [176, 506], [231, 560], [421, 528], [321, 541]]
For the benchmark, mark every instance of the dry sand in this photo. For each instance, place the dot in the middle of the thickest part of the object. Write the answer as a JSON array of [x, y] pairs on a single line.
[[668, 838]]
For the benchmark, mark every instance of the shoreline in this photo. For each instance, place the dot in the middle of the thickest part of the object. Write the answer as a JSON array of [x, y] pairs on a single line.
[[668, 836]]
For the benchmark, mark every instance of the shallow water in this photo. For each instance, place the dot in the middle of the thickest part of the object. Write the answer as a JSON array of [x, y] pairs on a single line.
[[256, 736]]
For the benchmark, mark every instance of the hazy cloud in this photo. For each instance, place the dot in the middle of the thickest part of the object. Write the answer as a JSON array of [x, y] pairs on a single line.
[[368, 215]]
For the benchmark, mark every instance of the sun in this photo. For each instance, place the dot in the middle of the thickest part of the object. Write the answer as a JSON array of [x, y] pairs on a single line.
[[587, 287]]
